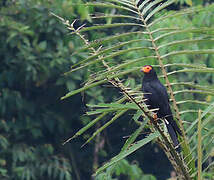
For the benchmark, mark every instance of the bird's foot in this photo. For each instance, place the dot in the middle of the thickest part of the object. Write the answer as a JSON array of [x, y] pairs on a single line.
[[155, 117]]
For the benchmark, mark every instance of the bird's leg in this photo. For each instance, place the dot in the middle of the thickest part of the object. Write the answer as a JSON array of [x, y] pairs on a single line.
[[155, 118]]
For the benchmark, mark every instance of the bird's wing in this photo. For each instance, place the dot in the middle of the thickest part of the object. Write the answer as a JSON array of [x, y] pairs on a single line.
[[163, 103], [158, 97]]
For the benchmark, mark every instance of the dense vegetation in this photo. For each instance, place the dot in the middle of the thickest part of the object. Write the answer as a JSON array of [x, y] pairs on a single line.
[[36, 49]]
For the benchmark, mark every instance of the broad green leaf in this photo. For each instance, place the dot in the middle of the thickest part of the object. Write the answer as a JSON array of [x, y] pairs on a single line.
[[129, 151], [105, 26], [203, 51], [114, 16], [114, 105], [119, 67], [85, 128], [180, 13], [142, 5], [149, 6], [110, 49], [117, 115], [189, 2], [193, 102], [82, 89], [103, 110], [126, 3], [192, 85], [194, 91], [186, 41], [133, 137], [157, 9], [110, 5], [207, 110], [100, 59], [102, 41], [180, 31]]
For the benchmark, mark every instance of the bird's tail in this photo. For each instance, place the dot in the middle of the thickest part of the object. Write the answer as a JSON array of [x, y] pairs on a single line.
[[172, 129]]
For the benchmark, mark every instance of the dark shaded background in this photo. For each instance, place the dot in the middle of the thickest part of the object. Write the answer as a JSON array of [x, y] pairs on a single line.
[[35, 51]]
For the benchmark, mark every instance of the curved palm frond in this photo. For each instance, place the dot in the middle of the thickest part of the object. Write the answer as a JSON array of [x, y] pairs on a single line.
[[149, 36]]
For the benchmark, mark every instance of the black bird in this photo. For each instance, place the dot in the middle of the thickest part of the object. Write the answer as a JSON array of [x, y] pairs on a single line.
[[157, 98]]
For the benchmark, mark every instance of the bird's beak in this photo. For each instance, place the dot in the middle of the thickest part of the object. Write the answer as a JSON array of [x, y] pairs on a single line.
[[145, 70]]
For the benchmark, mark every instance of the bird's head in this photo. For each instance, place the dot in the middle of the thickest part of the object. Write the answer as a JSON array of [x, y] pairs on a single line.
[[147, 69], [149, 72]]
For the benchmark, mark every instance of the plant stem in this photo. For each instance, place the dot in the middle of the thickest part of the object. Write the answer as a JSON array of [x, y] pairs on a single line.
[[199, 146]]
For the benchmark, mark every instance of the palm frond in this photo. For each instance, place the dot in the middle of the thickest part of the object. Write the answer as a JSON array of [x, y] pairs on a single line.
[[130, 150], [145, 38]]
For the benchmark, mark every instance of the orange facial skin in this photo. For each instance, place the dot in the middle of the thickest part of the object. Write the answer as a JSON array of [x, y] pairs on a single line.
[[146, 69]]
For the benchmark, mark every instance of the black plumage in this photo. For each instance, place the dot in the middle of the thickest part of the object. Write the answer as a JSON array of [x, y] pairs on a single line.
[[157, 97]]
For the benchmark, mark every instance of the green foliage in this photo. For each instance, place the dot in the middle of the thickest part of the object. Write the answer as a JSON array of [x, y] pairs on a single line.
[[128, 150], [124, 170], [33, 159], [176, 41], [33, 56], [35, 52]]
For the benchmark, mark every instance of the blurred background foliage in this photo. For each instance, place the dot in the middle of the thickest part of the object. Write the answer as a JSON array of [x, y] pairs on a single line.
[[35, 51]]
